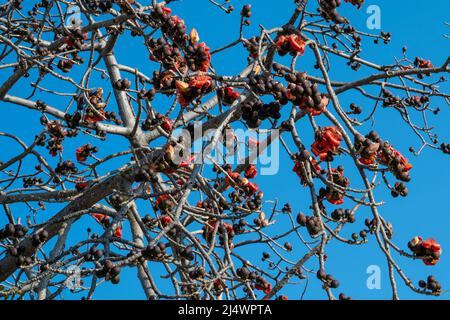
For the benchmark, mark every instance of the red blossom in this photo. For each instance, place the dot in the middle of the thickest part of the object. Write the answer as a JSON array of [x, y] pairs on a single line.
[[167, 124], [429, 250], [251, 187], [183, 101], [81, 184], [201, 82], [55, 149], [422, 63], [296, 43], [297, 168], [385, 158], [82, 153], [166, 10], [161, 200], [199, 204], [93, 117], [118, 232], [218, 284], [431, 244], [335, 201], [228, 227], [369, 153], [367, 161], [264, 286], [183, 164], [198, 85], [228, 95], [232, 178], [251, 172], [100, 217], [327, 141], [209, 227], [165, 220], [406, 68]]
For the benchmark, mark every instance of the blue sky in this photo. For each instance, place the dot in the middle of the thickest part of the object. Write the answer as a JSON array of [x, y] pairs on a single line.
[[416, 24]]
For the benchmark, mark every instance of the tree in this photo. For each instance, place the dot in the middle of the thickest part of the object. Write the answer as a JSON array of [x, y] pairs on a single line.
[[166, 206]]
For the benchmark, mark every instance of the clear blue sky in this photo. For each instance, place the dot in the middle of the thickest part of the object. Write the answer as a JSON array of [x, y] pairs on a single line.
[[417, 24]]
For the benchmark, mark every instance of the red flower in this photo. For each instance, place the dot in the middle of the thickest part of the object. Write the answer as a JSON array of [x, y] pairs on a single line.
[[431, 244], [385, 158], [167, 124], [327, 141], [165, 220], [228, 95], [200, 82], [187, 163], [81, 184], [251, 172], [177, 20], [183, 101], [217, 284], [232, 178], [118, 232], [335, 201], [292, 42], [100, 218], [82, 153], [162, 200], [93, 117], [251, 187], [429, 250], [183, 164], [297, 168], [56, 147], [430, 262], [228, 227], [166, 10], [197, 86], [264, 286], [422, 63], [367, 161], [369, 153]]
